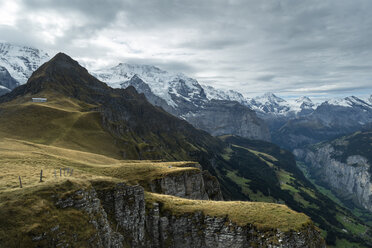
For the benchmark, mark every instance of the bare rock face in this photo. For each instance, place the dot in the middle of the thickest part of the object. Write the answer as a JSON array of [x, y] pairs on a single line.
[[226, 117], [123, 208], [350, 179], [199, 230], [192, 185], [7, 82], [88, 202]]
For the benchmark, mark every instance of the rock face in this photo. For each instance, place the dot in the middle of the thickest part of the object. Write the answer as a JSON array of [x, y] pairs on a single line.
[[6, 79], [226, 117], [3, 90], [123, 208], [198, 230], [191, 185], [350, 179], [88, 202]]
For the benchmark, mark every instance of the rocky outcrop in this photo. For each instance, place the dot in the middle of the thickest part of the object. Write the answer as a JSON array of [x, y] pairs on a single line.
[[137, 225], [7, 83], [226, 117], [349, 179], [121, 217], [190, 184], [199, 230], [87, 202]]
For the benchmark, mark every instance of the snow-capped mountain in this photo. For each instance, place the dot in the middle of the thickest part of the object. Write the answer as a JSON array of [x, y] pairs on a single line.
[[229, 95], [214, 111], [162, 83], [21, 61], [328, 120], [6, 80], [304, 102], [351, 101], [270, 104]]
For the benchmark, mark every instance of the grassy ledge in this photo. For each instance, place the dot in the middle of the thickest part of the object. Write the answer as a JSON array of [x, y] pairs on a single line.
[[264, 216]]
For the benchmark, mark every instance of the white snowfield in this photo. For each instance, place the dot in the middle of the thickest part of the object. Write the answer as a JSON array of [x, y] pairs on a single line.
[[161, 83], [21, 61]]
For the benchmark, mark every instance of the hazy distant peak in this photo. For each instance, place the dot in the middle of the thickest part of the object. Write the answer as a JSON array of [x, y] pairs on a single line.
[[269, 97], [303, 99]]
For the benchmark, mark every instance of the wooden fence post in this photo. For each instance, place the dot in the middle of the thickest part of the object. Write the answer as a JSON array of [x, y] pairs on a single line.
[[20, 181], [41, 175]]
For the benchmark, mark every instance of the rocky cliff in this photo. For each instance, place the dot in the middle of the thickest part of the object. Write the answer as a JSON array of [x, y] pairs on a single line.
[[190, 184], [125, 216], [349, 178], [7, 82], [227, 117]]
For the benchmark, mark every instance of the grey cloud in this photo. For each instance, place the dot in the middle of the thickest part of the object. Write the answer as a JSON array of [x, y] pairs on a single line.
[[266, 78], [253, 46]]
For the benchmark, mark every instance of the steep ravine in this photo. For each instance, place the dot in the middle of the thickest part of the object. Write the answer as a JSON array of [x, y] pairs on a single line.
[[349, 179]]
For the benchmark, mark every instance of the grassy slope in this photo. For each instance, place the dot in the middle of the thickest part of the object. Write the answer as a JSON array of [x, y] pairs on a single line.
[[27, 211], [60, 122], [26, 159], [274, 177]]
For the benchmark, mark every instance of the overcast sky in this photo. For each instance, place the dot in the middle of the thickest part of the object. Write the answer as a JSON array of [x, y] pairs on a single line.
[[290, 47]]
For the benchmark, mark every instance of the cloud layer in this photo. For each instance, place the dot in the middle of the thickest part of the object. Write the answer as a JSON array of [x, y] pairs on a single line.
[[317, 48]]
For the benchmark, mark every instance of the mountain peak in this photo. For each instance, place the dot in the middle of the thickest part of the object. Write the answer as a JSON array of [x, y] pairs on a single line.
[[303, 99], [63, 60], [61, 75], [269, 97], [269, 94]]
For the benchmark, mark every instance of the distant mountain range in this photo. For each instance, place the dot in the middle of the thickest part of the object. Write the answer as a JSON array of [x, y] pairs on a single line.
[[186, 98], [290, 124]]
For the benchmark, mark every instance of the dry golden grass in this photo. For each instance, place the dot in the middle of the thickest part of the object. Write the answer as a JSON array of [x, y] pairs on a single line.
[[264, 216], [26, 159], [61, 122], [31, 211]]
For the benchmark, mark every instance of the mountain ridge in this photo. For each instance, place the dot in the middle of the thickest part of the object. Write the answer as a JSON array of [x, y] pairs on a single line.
[[186, 98]]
